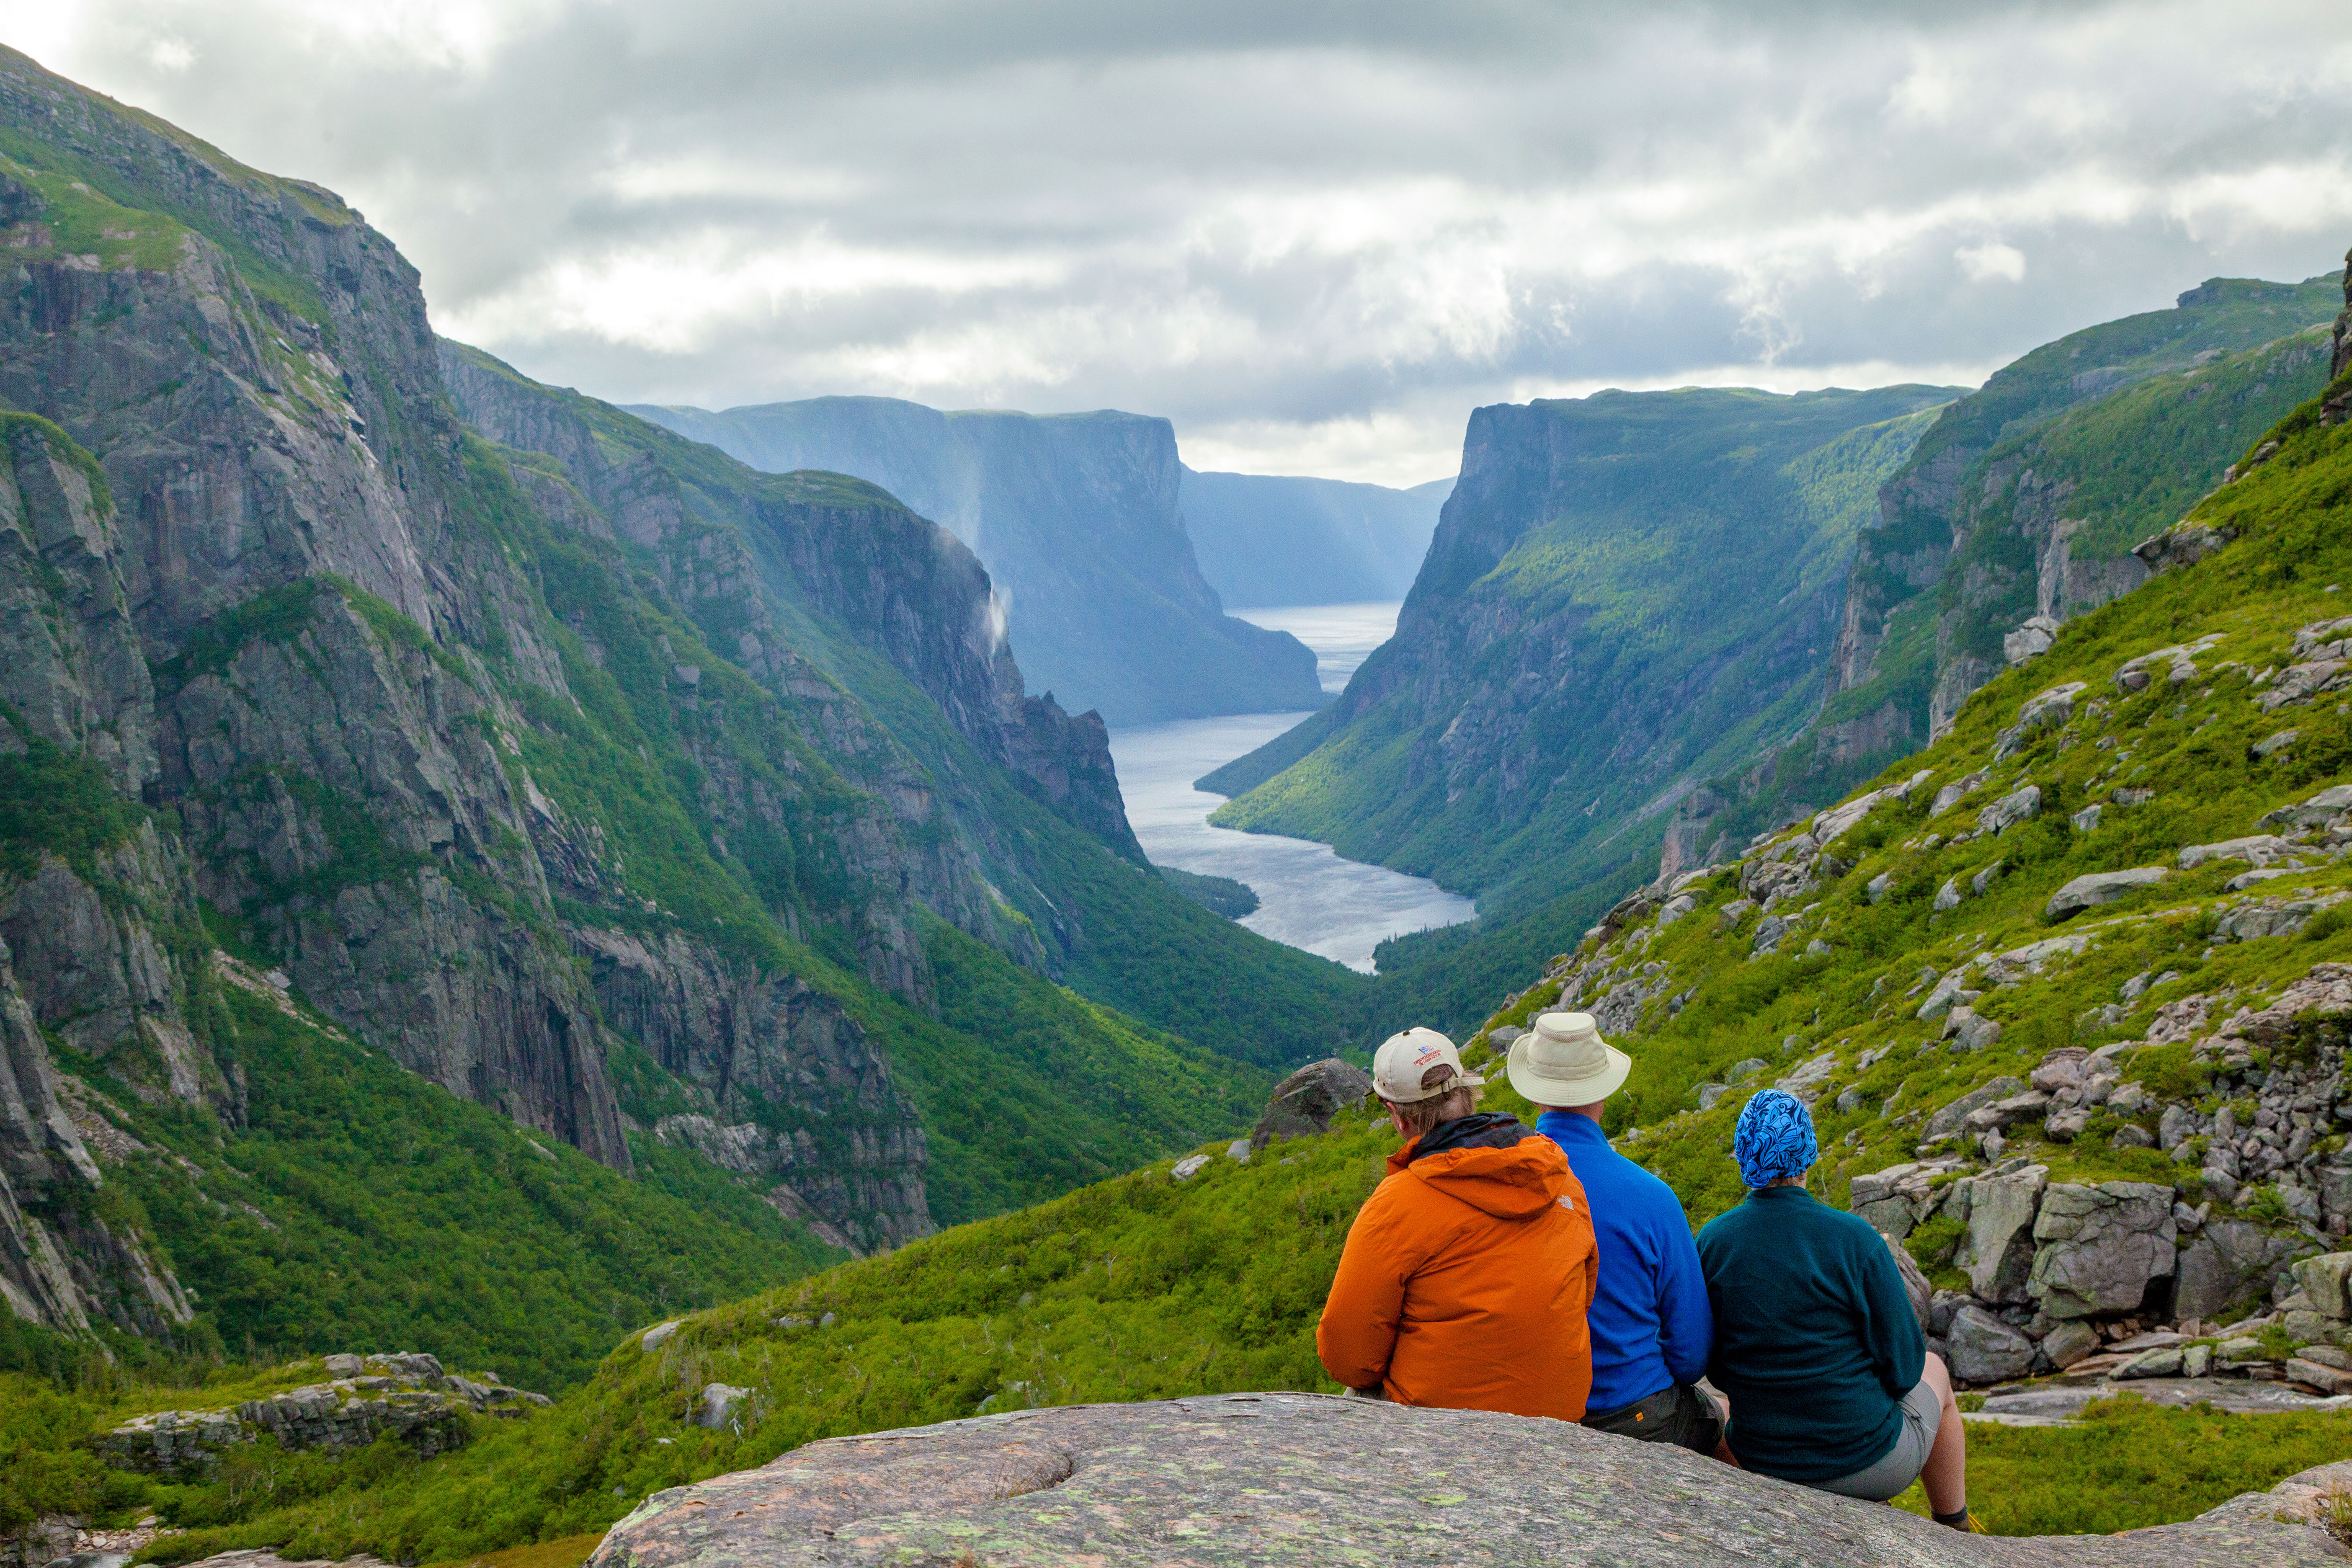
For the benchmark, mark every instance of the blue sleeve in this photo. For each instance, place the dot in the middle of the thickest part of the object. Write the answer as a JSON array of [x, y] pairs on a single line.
[[1685, 1322]]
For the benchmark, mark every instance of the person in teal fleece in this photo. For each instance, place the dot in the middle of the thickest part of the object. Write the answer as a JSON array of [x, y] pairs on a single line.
[[1831, 1383]]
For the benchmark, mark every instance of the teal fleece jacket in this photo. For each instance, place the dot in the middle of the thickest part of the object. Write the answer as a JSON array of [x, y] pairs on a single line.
[[1815, 1340]]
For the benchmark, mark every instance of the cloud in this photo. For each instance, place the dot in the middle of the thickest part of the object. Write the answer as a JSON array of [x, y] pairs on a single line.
[[1991, 260], [1313, 237]]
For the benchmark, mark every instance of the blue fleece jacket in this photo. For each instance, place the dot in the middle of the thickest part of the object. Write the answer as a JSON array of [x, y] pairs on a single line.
[[1651, 1324]]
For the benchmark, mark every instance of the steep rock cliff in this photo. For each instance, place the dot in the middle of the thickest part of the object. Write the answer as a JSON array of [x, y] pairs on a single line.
[[2020, 511], [1625, 593], [586, 773], [1267, 538], [266, 650], [903, 588], [2025, 500], [250, 365], [1076, 517]]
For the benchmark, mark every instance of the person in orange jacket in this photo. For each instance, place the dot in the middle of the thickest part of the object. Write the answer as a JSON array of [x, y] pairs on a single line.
[[1467, 1276]]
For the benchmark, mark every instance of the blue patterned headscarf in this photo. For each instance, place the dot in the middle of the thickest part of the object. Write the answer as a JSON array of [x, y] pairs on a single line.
[[1774, 1139]]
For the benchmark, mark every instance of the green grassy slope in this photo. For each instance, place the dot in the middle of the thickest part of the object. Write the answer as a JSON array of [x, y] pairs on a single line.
[[1846, 980], [2140, 414], [2226, 315], [1141, 1286], [2128, 463], [1224, 1319], [1645, 595], [2141, 459], [360, 1207]]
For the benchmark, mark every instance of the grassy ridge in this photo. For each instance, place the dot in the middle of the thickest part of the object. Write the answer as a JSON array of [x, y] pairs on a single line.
[[1138, 1288], [360, 1208], [1854, 996]]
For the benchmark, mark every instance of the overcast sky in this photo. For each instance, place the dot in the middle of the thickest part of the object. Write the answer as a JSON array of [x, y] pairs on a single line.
[[1313, 235]]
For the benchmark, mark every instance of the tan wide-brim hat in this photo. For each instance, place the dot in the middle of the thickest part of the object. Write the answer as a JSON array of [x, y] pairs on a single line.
[[1563, 1060]]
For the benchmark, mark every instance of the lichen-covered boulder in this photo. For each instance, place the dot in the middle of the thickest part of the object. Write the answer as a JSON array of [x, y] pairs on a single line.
[[1895, 1200], [2100, 887], [2098, 1245], [405, 1395], [1950, 1118], [2326, 1282], [1981, 1348], [1303, 1104], [1997, 1253], [2229, 1264], [1303, 1479]]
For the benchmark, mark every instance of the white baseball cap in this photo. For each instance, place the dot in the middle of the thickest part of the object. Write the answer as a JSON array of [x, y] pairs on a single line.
[[1563, 1060], [1399, 1064]]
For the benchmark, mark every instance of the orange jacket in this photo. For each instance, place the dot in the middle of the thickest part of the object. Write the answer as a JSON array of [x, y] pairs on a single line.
[[1465, 1280]]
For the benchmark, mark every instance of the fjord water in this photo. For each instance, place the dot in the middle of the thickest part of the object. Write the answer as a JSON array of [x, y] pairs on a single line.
[[1307, 896]]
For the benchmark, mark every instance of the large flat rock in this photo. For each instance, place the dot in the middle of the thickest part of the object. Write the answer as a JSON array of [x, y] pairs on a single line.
[[2050, 1404], [1317, 1479]]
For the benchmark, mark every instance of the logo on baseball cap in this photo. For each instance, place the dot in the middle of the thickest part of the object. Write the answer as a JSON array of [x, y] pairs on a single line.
[[1402, 1059]]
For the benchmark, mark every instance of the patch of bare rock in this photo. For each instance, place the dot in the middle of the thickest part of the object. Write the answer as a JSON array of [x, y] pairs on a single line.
[[407, 1394], [1275, 1479]]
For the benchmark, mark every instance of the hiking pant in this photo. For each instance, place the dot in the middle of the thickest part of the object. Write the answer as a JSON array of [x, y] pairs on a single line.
[[1678, 1414]]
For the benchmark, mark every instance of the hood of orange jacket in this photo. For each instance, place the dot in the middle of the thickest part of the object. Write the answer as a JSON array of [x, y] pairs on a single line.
[[1490, 1161]]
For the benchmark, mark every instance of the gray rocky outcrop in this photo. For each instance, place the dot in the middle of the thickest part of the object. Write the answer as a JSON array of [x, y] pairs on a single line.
[[2099, 1247], [1897, 1199], [1268, 1478], [1304, 1103], [1981, 1348], [2227, 1265], [1998, 1250], [798, 1099], [2095, 888], [407, 1397], [1953, 1115], [718, 1406]]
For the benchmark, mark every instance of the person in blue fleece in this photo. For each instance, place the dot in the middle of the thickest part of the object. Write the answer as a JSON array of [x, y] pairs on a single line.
[[1651, 1328], [1831, 1383]]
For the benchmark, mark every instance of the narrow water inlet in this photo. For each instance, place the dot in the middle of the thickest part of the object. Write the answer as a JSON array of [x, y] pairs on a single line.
[[1308, 896]]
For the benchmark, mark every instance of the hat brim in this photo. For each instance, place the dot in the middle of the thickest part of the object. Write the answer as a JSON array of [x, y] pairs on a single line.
[[1460, 1081], [1538, 1090]]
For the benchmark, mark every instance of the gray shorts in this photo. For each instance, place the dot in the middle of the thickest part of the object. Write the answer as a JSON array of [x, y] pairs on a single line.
[[1923, 1412]]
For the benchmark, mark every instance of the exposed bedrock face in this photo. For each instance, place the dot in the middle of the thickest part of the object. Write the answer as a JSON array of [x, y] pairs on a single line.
[[900, 586], [257, 422], [800, 1100], [1272, 1478], [1077, 519]]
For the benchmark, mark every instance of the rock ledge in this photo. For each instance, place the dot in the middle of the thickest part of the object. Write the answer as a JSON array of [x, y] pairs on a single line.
[[1317, 1479]]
